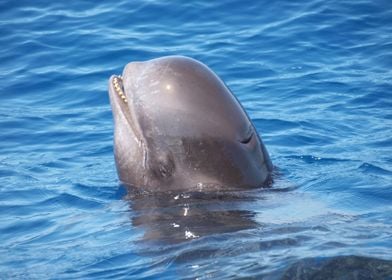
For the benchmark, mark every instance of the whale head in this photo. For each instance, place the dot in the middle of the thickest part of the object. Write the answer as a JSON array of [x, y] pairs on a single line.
[[177, 126]]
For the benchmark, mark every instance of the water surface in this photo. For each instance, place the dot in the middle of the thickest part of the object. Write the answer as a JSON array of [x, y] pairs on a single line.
[[314, 76]]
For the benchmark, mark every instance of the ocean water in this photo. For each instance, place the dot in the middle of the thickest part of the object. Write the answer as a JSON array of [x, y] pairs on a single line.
[[314, 76]]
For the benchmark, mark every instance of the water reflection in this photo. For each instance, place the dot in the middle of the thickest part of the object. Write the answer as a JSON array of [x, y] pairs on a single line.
[[277, 225], [177, 217]]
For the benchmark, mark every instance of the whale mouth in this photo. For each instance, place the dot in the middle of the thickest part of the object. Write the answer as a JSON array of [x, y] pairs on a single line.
[[118, 98], [122, 107], [119, 88]]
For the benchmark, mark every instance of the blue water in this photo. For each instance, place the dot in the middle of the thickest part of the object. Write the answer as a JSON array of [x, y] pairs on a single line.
[[314, 76]]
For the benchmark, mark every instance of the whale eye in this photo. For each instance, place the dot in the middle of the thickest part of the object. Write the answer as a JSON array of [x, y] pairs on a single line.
[[164, 166], [247, 139]]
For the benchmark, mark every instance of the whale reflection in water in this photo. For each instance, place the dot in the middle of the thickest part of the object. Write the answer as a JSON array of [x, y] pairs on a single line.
[[176, 217]]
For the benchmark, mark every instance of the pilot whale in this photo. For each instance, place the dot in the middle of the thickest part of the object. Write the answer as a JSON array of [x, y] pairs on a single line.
[[178, 127]]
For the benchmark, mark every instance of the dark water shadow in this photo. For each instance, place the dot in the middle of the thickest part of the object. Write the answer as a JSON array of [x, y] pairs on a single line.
[[170, 220], [340, 267], [174, 217]]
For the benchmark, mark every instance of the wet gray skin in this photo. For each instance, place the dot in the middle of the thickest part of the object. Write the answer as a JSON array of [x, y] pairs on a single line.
[[178, 127]]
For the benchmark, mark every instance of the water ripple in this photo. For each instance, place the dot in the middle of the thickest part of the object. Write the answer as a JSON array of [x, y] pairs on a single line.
[[315, 79]]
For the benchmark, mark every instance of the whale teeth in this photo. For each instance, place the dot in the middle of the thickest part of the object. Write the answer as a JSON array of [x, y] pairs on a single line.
[[118, 88]]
